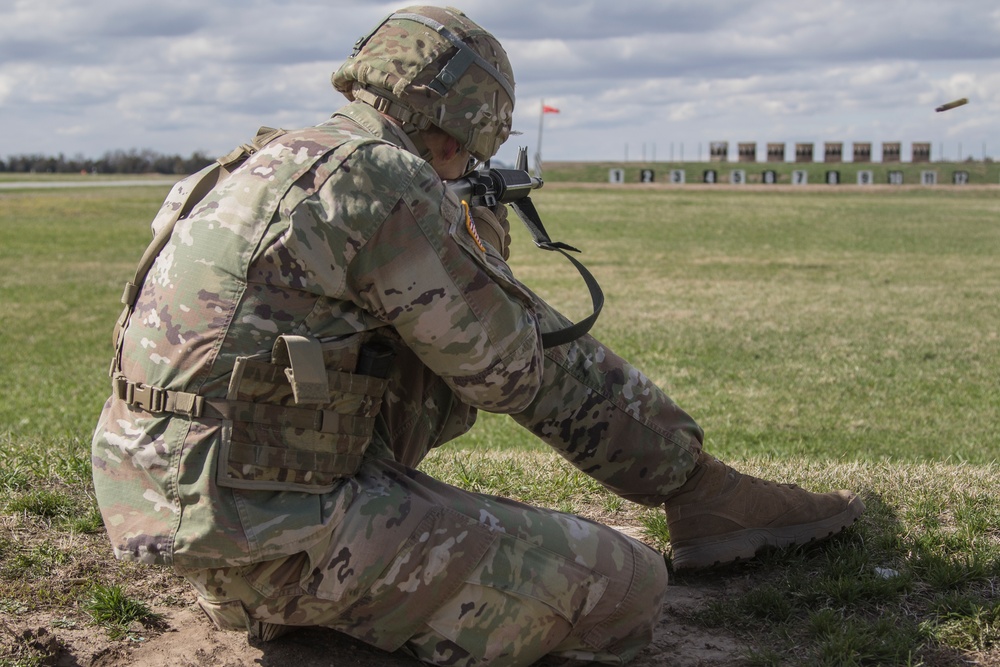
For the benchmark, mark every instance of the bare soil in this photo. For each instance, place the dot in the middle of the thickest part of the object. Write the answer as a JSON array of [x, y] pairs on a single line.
[[36, 630], [185, 638], [52, 636]]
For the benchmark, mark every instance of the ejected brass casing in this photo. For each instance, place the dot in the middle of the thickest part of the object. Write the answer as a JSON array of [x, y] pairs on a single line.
[[952, 105]]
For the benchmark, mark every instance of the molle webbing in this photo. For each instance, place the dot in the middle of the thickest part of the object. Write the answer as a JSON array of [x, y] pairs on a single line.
[[157, 400], [291, 426], [273, 443], [293, 422]]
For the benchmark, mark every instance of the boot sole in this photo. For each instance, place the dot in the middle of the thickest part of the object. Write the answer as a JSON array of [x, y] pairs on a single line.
[[745, 544]]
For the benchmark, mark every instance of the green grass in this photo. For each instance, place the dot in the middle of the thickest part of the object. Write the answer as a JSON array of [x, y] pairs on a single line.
[[815, 324], [979, 172], [117, 612], [915, 582], [833, 338], [63, 255]]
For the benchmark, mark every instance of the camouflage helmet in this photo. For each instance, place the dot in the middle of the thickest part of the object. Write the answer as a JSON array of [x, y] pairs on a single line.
[[433, 66]]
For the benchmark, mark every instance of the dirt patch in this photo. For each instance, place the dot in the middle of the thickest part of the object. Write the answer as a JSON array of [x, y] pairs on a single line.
[[678, 642], [185, 638]]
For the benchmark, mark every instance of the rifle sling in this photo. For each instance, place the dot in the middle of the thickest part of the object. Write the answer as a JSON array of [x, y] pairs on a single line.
[[529, 216]]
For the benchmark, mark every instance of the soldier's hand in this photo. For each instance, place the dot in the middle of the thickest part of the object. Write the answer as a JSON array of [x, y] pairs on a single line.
[[493, 228]]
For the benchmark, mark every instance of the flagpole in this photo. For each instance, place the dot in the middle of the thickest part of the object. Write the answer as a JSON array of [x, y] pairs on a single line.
[[538, 148]]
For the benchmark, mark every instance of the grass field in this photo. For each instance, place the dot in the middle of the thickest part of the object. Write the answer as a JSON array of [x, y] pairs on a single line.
[[977, 172], [832, 338]]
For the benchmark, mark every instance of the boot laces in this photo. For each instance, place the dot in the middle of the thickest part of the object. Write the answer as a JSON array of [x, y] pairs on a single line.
[[763, 482]]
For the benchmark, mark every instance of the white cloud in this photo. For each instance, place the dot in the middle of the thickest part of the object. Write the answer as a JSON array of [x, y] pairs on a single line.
[[94, 75], [72, 130]]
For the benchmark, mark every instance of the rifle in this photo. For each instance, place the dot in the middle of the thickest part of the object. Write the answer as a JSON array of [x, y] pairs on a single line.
[[491, 187]]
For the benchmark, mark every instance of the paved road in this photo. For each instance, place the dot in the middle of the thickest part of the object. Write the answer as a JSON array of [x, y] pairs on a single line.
[[33, 185]]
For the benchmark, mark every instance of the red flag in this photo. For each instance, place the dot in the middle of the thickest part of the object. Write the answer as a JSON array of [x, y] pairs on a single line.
[[547, 109]]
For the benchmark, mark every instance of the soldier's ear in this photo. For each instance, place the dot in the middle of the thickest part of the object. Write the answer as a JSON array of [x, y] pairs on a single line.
[[443, 145], [450, 147]]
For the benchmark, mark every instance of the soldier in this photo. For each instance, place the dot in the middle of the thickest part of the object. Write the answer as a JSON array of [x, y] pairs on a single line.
[[315, 314]]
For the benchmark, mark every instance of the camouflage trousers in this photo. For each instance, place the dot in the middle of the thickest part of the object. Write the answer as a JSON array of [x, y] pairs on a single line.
[[458, 578]]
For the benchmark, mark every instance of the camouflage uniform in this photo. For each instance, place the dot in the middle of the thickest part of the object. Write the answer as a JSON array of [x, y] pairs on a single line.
[[288, 496]]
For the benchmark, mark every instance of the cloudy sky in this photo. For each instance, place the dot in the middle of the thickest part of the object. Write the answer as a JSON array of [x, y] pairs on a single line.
[[632, 78]]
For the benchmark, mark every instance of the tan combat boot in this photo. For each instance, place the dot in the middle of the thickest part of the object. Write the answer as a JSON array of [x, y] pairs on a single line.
[[720, 516]]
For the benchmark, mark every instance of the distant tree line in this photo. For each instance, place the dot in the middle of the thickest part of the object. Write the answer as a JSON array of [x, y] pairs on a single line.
[[132, 161]]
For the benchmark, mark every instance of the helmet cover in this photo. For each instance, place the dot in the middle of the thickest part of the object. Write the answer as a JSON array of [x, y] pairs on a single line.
[[433, 66]]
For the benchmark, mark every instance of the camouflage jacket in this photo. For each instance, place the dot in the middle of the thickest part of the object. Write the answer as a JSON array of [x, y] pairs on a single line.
[[334, 235]]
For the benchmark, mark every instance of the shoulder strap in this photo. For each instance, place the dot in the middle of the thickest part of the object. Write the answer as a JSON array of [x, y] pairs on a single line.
[[185, 194]]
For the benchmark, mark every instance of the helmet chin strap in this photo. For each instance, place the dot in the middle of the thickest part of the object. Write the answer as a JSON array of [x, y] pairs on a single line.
[[411, 137], [406, 124], [415, 138]]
